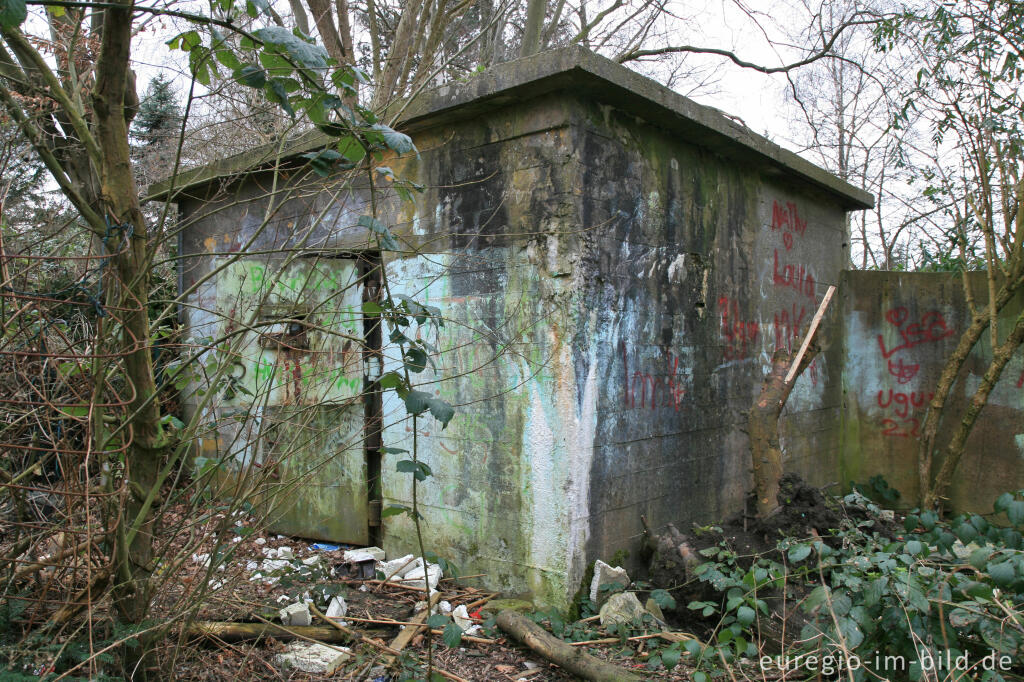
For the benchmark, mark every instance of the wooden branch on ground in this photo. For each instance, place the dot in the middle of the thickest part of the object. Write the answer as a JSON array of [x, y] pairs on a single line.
[[555, 650], [240, 632]]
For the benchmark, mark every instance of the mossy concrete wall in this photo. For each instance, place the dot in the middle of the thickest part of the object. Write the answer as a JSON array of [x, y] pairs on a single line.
[[615, 267], [899, 328]]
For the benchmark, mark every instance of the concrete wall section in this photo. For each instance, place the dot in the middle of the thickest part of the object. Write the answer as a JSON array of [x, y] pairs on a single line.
[[899, 328], [701, 269]]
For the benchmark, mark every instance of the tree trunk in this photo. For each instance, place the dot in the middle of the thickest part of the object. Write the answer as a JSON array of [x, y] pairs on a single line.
[[955, 450], [944, 386], [535, 11], [573, 659], [763, 427]]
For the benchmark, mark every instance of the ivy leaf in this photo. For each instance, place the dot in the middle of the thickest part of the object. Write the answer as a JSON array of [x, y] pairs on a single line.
[[322, 161], [419, 470], [452, 635], [745, 615], [1002, 573], [415, 360], [387, 240], [663, 599], [394, 510], [798, 553], [1015, 512], [399, 142], [250, 75], [285, 42], [12, 13], [418, 402], [670, 657], [1002, 502], [979, 558], [351, 148], [438, 621]]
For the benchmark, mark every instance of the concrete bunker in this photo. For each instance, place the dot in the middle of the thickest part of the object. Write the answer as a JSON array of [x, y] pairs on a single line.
[[615, 265]]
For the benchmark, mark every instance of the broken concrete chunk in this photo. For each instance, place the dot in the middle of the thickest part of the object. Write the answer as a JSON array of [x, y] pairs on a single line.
[[623, 607], [357, 554], [414, 578], [296, 614], [311, 657], [461, 617], [337, 609], [605, 575], [397, 568]]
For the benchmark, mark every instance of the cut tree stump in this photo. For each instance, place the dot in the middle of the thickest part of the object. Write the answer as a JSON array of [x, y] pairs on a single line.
[[562, 654]]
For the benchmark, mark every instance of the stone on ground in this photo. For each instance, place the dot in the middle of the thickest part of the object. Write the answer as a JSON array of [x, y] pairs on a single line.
[[605, 575], [296, 614], [311, 657], [623, 607]]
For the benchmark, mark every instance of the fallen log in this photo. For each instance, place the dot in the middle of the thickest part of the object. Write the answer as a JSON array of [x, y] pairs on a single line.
[[555, 650], [239, 632]]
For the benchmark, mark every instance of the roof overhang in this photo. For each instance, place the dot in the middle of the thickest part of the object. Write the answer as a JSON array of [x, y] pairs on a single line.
[[570, 69]]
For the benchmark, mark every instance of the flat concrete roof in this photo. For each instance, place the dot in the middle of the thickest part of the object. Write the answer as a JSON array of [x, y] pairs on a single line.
[[572, 69]]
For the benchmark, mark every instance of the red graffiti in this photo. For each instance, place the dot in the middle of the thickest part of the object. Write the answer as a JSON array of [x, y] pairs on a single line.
[[901, 402], [739, 335], [902, 371], [796, 277], [786, 218], [1020, 382], [787, 327], [655, 390], [906, 428], [930, 329]]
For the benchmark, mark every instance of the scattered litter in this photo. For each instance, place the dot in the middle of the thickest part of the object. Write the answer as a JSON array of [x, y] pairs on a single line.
[[312, 657], [201, 559], [461, 617], [260, 541], [296, 614], [215, 585], [414, 578], [364, 569], [325, 547], [356, 554], [396, 568], [337, 609], [285, 553]]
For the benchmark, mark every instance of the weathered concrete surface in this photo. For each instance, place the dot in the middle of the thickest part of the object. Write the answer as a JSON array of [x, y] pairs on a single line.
[[614, 265], [898, 330]]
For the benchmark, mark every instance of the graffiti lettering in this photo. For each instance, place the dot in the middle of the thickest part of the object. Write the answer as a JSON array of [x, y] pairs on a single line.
[[786, 218], [739, 335], [902, 371], [901, 402], [795, 277], [906, 428], [670, 390], [930, 329], [787, 327]]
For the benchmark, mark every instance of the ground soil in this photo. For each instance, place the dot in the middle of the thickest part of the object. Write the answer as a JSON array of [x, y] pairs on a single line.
[[232, 593]]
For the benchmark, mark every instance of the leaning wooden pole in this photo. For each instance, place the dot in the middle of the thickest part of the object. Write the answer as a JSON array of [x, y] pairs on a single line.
[[555, 650], [763, 420]]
